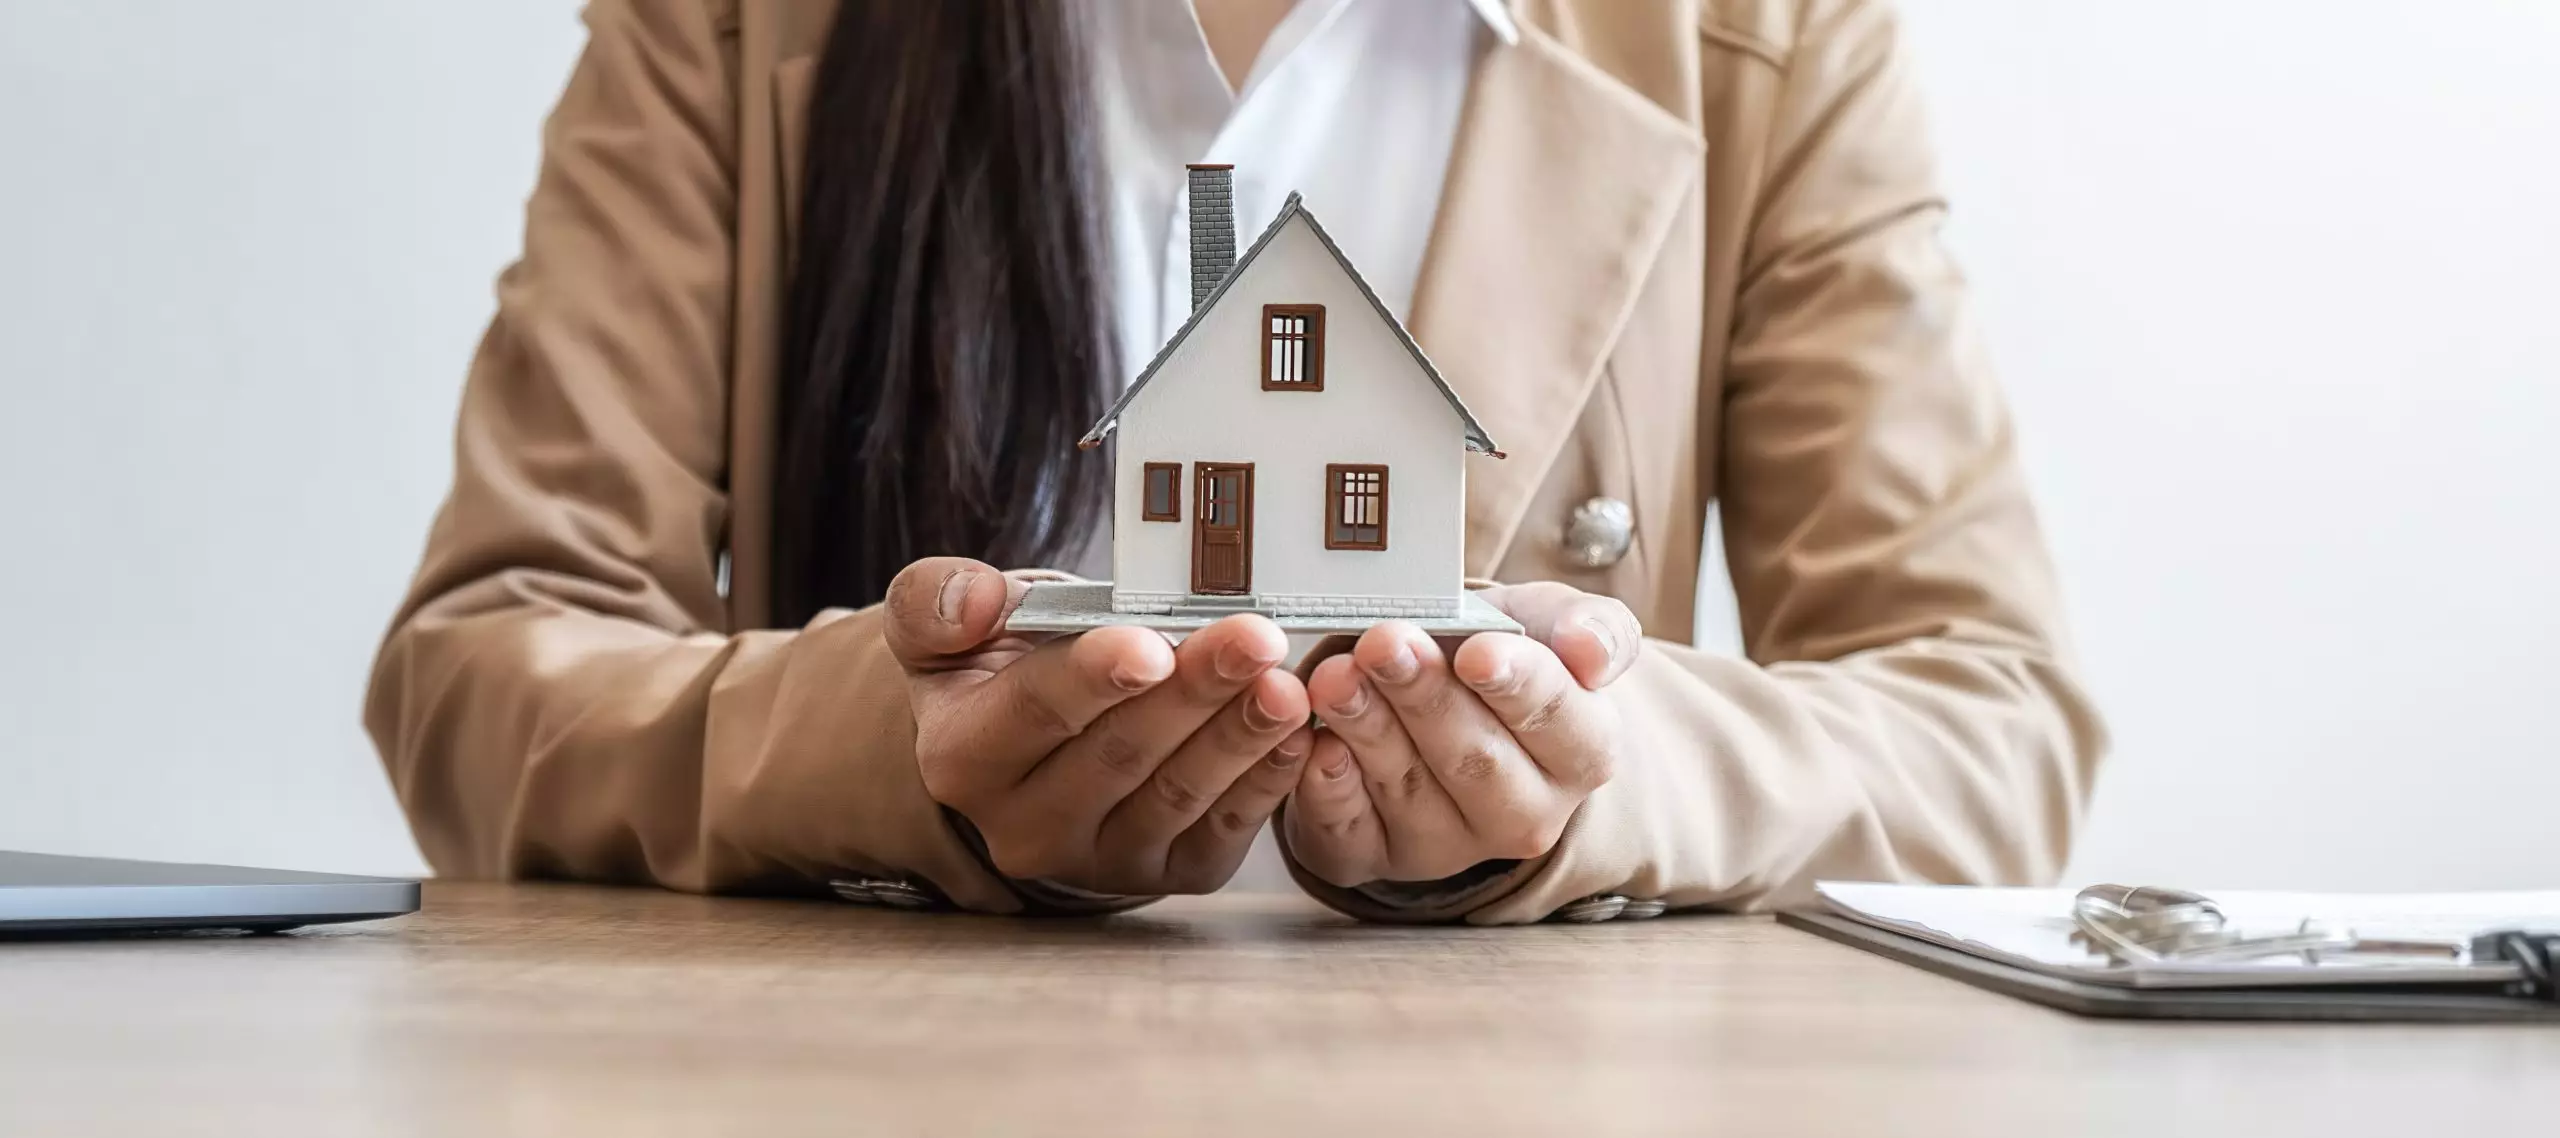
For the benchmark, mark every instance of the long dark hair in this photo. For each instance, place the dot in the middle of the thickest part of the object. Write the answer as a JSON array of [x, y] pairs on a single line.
[[947, 337]]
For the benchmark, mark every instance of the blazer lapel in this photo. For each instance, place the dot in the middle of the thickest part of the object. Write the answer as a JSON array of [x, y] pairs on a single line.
[[777, 46], [1561, 191], [791, 79]]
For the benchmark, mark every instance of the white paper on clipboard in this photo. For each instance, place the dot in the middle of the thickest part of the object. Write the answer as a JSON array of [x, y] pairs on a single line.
[[2031, 928]]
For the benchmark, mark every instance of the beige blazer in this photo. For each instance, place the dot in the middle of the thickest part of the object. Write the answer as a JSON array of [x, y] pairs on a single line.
[[1688, 253]]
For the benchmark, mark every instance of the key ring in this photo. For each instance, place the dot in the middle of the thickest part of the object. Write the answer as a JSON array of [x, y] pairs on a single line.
[[2150, 925]]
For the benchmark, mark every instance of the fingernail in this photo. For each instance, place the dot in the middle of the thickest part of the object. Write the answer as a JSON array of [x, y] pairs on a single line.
[[1501, 678], [1354, 705], [955, 592], [1600, 631], [1287, 753], [1400, 666], [1339, 768], [1258, 714], [1130, 676], [1239, 660]]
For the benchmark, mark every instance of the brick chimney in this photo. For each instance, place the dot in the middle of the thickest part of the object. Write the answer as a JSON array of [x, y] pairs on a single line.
[[1213, 228]]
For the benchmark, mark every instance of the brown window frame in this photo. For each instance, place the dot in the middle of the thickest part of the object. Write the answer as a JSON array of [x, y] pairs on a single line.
[[1335, 498], [1312, 339], [1173, 492]]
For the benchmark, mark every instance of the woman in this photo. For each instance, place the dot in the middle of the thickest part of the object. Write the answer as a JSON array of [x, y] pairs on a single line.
[[816, 297]]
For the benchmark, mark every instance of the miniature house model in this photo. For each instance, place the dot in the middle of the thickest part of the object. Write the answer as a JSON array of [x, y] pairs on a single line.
[[1290, 451]]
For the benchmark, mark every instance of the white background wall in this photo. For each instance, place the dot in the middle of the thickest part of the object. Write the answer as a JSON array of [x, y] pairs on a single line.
[[245, 250], [2271, 283]]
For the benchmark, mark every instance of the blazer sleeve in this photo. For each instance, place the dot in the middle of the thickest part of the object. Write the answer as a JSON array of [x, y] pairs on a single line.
[[1906, 712], [558, 695]]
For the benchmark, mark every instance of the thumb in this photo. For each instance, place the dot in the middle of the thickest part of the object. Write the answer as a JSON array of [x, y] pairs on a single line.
[[1597, 637], [944, 607]]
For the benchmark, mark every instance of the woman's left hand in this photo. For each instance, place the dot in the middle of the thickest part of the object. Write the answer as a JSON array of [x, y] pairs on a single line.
[[1433, 760]]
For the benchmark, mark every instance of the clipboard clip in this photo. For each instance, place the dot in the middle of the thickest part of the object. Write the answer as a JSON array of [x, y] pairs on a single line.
[[2149, 924], [2535, 954]]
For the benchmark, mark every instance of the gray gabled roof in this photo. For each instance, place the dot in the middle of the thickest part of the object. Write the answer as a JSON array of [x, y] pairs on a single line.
[[1477, 440]]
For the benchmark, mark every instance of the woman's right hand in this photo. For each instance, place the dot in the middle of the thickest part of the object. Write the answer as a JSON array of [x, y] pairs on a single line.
[[1111, 761]]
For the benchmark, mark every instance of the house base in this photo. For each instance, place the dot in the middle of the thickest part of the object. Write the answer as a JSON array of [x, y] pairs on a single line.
[[1077, 606]]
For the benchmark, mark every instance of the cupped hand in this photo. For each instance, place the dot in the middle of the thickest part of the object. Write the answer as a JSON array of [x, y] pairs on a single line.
[[1436, 757], [1111, 761]]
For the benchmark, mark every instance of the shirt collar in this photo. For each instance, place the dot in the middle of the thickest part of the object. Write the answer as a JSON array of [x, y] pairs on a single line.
[[1497, 17]]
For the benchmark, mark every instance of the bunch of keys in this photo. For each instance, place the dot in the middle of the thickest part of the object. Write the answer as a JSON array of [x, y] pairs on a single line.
[[2147, 924]]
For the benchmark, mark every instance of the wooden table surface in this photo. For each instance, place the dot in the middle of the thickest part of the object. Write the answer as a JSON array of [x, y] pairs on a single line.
[[558, 1010]]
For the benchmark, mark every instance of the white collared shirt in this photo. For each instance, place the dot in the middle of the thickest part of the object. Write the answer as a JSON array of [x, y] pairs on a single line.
[[1353, 104]]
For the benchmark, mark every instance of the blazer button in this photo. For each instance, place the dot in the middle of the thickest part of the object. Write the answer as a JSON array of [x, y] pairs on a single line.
[[1600, 532]]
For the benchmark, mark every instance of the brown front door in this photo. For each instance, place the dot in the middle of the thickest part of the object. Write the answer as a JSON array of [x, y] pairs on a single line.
[[1222, 530]]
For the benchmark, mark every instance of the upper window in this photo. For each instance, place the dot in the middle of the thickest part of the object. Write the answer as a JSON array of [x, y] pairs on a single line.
[[1355, 507], [1163, 492], [1293, 347]]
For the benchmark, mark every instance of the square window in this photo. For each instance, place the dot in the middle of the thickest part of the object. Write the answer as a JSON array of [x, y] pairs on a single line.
[[1162, 501]]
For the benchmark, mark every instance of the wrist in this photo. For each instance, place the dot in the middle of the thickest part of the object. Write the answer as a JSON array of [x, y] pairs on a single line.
[[1457, 891], [1446, 900], [1042, 897]]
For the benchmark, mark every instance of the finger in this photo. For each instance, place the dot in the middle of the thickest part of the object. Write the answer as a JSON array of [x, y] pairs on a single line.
[[986, 734], [1571, 733], [1415, 812], [1507, 801], [941, 609], [1595, 636], [1333, 830], [1140, 831], [1207, 854], [1322, 650], [1086, 777]]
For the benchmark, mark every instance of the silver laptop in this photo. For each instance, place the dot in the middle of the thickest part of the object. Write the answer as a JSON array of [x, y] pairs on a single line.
[[44, 893]]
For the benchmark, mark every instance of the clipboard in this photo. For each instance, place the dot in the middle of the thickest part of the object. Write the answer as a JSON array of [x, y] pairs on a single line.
[[2343, 1003]]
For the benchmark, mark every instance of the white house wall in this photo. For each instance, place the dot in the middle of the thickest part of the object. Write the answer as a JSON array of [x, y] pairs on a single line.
[[1376, 407]]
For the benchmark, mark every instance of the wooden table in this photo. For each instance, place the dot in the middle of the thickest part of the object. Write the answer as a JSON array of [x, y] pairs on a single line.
[[554, 1010]]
